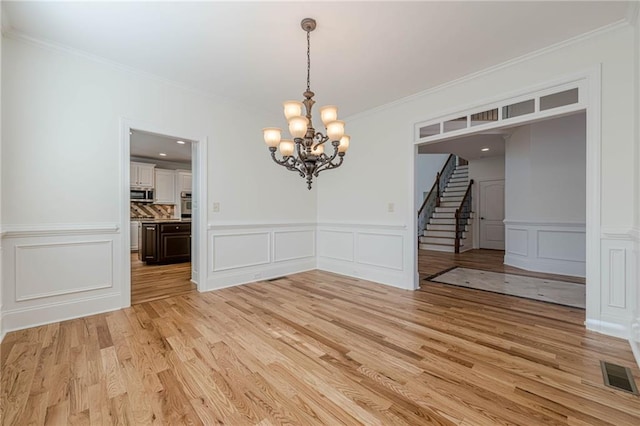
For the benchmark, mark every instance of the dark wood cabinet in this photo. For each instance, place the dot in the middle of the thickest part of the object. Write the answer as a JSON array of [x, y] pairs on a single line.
[[148, 250], [165, 242]]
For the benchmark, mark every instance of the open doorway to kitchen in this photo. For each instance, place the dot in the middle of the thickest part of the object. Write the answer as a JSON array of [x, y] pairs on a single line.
[[160, 212]]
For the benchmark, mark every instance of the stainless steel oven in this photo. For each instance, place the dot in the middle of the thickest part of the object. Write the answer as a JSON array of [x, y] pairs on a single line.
[[185, 204]]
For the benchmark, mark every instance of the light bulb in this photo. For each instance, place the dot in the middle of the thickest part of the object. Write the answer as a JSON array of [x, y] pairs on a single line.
[[344, 143], [328, 114], [335, 130], [292, 109], [286, 148], [298, 126], [272, 136]]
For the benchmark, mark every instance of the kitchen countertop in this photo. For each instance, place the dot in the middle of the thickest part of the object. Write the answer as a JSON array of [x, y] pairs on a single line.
[[152, 220]]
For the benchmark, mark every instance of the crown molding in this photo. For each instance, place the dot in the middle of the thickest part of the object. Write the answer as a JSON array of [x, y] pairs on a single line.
[[633, 9], [52, 46], [614, 26]]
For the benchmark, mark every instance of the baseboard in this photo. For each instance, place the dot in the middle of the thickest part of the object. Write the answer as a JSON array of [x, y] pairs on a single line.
[[384, 276], [609, 328], [560, 267], [634, 340], [19, 319], [240, 276]]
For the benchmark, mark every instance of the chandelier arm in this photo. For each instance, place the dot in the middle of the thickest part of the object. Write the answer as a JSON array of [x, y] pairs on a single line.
[[335, 144], [328, 166], [289, 162]]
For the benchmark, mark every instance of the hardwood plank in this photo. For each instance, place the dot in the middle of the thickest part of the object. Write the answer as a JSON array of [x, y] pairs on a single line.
[[319, 348]]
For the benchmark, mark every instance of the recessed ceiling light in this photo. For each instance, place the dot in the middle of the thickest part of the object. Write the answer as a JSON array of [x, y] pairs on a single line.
[[162, 154], [484, 149], [180, 142]]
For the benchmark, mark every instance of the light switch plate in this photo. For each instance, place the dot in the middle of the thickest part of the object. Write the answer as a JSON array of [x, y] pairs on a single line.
[[215, 207]]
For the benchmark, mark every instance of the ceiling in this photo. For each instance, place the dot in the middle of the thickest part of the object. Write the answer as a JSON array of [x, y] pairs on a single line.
[[469, 147], [363, 55], [150, 145]]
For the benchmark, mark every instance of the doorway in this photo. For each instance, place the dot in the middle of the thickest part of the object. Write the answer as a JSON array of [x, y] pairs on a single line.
[[160, 212], [162, 187], [491, 211]]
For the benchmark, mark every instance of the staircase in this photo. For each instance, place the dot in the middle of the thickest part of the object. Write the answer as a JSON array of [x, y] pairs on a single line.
[[440, 232]]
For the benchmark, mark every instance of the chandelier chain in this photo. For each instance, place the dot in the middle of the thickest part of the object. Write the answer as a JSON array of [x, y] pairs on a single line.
[[308, 61]]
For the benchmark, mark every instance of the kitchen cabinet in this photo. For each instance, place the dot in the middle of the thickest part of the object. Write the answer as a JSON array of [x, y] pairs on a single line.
[[175, 242], [135, 224], [184, 181], [148, 243], [165, 186], [165, 242], [142, 174]]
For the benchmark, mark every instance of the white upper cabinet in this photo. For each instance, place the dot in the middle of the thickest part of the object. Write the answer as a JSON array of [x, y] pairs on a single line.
[[184, 181], [165, 191], [142, 175]]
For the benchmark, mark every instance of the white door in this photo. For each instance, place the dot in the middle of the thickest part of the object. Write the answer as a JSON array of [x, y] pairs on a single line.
[[491, 196]]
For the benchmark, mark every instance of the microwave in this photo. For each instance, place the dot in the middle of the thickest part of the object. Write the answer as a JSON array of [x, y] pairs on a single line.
[[141, 195]]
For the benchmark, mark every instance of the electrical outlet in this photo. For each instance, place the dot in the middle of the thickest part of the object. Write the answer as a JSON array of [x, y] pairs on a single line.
[[215, 207], [391, 207]]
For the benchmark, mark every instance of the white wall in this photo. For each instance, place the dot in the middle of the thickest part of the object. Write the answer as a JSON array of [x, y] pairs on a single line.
[[546, 171], [480, 170], [62, 177], [545, 196], [427, 167], [380, 161]]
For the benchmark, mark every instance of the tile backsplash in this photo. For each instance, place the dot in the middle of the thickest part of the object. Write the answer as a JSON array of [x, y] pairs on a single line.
[[152, 211]]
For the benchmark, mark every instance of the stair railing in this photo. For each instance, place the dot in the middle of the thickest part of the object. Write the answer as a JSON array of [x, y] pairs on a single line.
[[462, 215], [432, 200]]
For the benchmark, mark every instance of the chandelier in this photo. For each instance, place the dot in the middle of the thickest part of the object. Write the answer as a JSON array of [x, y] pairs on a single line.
[[305, 153]]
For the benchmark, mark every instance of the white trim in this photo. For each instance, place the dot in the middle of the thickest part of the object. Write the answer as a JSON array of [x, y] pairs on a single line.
[[545, 223], [614, 26], [591, 94], [199, 175], [236, 277], [252, 225], [632, 12], [18, 319], [629, 234], [574, 80], [40, 230], [607, 327], [360, 225], [635, 348]]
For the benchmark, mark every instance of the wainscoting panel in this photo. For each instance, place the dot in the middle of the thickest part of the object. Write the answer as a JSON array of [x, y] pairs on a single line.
[[243, 253], [292, 245], [381, 250], [552, 247], [44, 270], [337, 245], [240, 250], [517, 241], [562, 245], [373, 252], [618, 290], [58, 273]]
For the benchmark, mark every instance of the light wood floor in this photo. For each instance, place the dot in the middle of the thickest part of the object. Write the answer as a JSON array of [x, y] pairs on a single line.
[[433, 262], [318, 348], [153, 282]]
